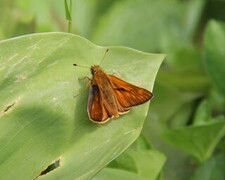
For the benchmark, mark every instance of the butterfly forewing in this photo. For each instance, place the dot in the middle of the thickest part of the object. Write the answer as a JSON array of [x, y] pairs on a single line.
[[129, 95]]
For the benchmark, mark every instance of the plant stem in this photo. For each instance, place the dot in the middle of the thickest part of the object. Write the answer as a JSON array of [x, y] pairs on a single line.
[[68, 10], [70, 20]]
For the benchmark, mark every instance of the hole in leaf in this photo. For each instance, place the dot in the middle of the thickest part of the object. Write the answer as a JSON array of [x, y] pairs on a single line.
[[9, 106], [50, 168]]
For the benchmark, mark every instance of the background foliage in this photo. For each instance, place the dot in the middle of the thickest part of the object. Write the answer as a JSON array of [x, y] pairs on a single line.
[[186, 118]]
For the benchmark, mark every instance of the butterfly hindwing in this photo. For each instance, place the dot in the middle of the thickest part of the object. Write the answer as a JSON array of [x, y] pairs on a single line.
[[96, 110]]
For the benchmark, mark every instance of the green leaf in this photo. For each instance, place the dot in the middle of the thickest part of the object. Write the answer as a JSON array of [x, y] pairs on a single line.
[[203, 114], [195, 81], [214, 43], [170, 108], [198, 141], [118, 174], [86, 15], [40, 119], [216, 101], [140, 159], [211, 169], [164, 98], [172, 29]]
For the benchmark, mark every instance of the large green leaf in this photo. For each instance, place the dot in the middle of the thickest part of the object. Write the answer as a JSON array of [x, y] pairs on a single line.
[[211, 169], [41, 121], [214, 42], [140, 159], [198, 141], [149, 25], [118, 174]]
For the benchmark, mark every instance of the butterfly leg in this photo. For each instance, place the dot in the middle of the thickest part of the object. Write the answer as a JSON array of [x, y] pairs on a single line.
[[88, 83], [86, 86], [85, 77], [116, 73]]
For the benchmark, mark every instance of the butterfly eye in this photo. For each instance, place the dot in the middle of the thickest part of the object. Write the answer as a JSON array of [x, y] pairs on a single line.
[[93, 71]]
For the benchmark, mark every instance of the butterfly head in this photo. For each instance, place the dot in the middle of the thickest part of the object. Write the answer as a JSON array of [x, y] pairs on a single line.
[[94, 69]]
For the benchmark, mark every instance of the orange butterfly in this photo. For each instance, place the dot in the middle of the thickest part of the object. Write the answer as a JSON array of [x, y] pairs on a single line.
[[110, 97]]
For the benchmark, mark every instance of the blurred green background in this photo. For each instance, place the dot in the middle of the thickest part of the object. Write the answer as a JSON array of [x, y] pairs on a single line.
[[186, 117]]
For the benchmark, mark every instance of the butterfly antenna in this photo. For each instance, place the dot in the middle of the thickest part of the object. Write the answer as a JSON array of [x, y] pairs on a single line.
[[81, 66], [107, 50]]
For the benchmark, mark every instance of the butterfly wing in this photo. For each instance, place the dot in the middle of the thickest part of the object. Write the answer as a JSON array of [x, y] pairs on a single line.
[[128, 95], [96, 109]]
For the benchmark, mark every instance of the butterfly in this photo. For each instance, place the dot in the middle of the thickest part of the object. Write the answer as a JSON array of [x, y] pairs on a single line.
[[109, 97]]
